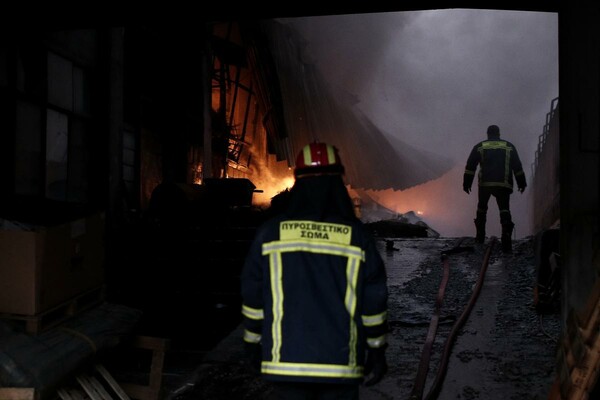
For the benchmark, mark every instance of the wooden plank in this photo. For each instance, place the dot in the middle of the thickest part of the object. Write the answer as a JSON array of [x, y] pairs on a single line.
[[70, 394], [100, 389], [89, 388], [139, 392], [590, 328], [576, 343], [586, 315], [96, 386], [555, 391], [152, 391], [564, 371], [151, 343], [585, 375], [112, 382], [578, 357], [593, 365], [156, 369], [17, 393]]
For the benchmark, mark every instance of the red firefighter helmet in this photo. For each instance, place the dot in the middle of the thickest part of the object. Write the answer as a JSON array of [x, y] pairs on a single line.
[[318, 159]]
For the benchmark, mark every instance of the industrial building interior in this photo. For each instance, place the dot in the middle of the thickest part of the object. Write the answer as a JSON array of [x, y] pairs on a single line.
[[138, 159]]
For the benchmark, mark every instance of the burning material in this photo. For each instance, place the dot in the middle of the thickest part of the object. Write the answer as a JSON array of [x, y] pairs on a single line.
[[270, 188], [439, 203], [271, 177]]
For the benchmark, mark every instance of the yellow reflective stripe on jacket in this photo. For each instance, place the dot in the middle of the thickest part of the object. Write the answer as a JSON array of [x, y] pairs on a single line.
[[498, 145], [274, 250], [496, 184], [469, 172], [373, 320], [330, 154], [277, 293], [507, 166], [252, 313], [520, 173], [350, 300], [251, 337], [492, 144], [377, 342], [307, 155], [316, 370], [313, 247]]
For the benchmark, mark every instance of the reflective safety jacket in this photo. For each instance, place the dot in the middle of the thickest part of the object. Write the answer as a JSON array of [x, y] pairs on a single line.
[[498, 161], [314, 296]]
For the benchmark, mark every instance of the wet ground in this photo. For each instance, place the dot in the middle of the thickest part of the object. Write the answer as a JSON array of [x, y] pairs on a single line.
[[505, 350]]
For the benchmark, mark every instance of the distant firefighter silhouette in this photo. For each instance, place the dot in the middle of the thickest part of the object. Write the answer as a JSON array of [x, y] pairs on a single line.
[[498, 161]]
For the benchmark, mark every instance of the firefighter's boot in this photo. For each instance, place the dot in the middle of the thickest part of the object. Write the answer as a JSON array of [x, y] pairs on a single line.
[[506, 239], [480, 227]]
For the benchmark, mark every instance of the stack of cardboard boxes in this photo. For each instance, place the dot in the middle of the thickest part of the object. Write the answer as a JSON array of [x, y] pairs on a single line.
[[47, 266]]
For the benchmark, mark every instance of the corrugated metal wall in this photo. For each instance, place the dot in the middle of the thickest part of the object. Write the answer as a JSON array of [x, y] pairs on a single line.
[[314, 112]]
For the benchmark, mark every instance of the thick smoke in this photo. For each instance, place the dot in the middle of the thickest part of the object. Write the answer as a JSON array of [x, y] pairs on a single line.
[[436, 79]]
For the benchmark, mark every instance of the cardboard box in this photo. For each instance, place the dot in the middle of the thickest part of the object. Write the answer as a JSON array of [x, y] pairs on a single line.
[[43, 267]]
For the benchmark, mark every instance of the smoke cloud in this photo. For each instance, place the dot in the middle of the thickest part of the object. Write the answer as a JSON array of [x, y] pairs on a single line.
[[437, 79]]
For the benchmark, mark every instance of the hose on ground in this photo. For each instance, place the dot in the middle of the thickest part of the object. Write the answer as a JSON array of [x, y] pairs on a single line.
[[441, 373]]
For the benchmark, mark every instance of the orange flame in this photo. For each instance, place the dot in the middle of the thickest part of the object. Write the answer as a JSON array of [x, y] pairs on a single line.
[[270, 187]]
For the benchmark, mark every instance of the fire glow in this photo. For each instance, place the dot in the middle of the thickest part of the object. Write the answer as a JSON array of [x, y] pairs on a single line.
[[270, 178], [447, 209], [268, 188]]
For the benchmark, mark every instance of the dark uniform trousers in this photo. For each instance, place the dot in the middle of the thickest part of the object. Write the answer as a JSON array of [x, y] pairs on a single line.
[[502, 196], [313, 391]]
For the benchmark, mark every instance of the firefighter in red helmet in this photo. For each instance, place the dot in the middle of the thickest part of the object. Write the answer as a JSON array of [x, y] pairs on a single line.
[[498, 161], [314, 289]]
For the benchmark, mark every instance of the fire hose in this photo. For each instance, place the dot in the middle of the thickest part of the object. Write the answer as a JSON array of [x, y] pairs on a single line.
[[418, 387]]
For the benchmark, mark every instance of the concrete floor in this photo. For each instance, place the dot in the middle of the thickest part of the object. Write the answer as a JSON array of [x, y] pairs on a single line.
[[500, 353]]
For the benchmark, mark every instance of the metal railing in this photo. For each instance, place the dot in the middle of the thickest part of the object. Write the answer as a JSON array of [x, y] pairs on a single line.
[[544, 136]]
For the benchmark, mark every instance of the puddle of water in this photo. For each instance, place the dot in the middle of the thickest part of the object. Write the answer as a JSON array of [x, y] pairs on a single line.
[[402, 263]]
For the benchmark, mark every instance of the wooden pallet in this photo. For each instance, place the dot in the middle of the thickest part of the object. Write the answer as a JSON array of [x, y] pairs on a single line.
[[153, 391], [34, 324], [95, 385], [98, 384]]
